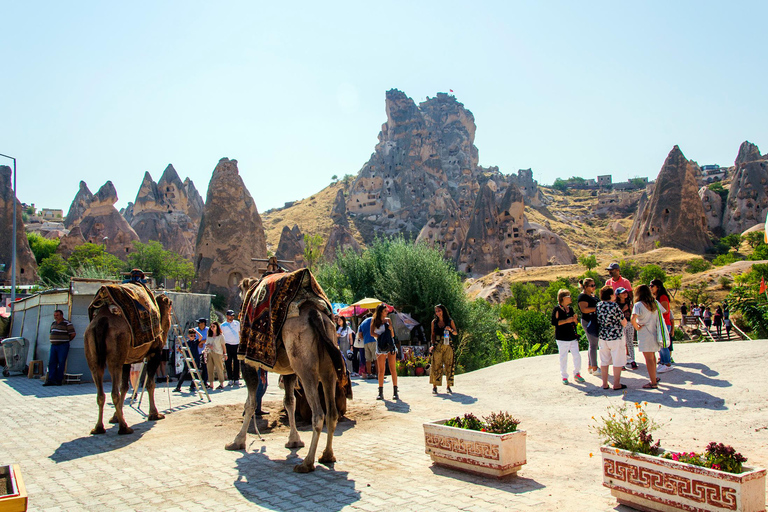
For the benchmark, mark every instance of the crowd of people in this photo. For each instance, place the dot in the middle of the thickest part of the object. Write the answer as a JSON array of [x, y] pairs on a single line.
[[719, 319], [611, 319]]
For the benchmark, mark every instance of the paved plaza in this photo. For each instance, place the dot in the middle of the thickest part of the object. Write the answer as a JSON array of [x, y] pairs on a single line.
[[718, 392]]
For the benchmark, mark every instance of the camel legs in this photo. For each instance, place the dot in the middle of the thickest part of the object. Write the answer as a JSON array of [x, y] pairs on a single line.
[[152, 365], [251, 378], [309, 383], [119, 389], [294, 440], [332, 416], [98, 379]]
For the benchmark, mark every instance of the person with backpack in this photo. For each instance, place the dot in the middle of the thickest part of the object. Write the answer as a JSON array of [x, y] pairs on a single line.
[[566, 337]]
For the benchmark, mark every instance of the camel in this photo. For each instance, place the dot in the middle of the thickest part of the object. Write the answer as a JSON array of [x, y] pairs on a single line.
[[107, 344], [308, 351]]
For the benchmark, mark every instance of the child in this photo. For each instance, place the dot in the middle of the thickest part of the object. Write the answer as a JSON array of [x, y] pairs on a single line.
[[564, 320], [192, 343]]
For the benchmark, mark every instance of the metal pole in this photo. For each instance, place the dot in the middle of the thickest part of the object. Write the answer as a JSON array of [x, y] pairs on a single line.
[[13, 243]]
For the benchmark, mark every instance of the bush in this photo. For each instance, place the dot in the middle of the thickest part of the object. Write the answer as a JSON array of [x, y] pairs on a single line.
[[95, 256], [726, 259], [650, 272], [698, 265], [725, 282], [629, 269], [588, 261], [151, 257], [599, 280], [54, 271], [529, 328], [521, 294], [696, 293], [41, 247]]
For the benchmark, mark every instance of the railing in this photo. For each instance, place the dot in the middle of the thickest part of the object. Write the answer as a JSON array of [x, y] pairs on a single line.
[[741, 333]]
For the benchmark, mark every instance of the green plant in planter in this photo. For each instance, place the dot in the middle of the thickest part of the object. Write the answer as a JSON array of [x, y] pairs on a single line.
[[495, 423], [718, 456], [628, 427]]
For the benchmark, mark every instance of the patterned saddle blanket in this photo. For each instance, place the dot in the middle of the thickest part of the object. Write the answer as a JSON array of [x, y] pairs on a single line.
[[266, 306], [138, 306]]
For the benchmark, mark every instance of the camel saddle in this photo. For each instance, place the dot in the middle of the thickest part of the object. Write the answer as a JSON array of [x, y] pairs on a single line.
[[137, 305], [268, 303]]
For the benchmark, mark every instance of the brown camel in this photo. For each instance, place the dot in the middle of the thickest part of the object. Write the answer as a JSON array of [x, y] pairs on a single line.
[[107, 343], [308, 351]]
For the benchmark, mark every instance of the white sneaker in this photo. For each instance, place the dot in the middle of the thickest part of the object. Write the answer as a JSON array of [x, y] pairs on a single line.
[[663, 369]]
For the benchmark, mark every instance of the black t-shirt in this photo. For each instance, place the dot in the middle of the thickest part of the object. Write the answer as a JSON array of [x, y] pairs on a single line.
[[565, 332], [591, 301]]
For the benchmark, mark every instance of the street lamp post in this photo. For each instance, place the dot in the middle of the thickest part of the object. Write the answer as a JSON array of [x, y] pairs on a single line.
[[13, 244]]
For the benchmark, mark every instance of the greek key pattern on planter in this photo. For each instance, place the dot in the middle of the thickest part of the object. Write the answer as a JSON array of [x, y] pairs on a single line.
[[456, 445], [690, 489]]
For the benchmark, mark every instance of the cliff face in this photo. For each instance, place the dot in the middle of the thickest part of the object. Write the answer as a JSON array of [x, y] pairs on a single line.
[[231, 233], [340, 239], [168, 211], [78, 206], [748, 197], [673, 215], [101, 223], [291, 248], [26, 266]]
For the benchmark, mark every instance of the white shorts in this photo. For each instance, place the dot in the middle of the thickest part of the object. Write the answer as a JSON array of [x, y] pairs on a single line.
[[613, 352]]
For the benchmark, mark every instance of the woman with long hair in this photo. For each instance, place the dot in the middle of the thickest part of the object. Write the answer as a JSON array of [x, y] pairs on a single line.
[[613, 348], [717, 321], [344, 338], [645, 319], [588, 306], [379, 325], [441, 349], [624, 300], [215, 352], [665, 354]]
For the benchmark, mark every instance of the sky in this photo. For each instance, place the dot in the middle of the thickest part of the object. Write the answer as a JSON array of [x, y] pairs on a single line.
[[295, 91]]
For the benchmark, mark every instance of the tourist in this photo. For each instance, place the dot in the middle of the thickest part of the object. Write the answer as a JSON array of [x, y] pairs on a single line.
[[625, 302], [613, 350], [344, 336], [358, 355], [665, 353], [61, 333], [369, 344], [696, 311], [564, 320], [441, 349], [616, 281], [683, 310], [727, 321], [381, 327], [717, 321], [215, 352], [192, 344], [645, 319], [587, 307], [231, 331], [706, 316], [202, 334]]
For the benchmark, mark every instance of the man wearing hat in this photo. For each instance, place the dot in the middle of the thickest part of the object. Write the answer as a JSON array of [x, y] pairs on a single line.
[[616, 281], [202, 335], [231, 331]]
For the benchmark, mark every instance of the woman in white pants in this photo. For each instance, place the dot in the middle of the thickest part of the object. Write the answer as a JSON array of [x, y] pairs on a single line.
[[564, 320]]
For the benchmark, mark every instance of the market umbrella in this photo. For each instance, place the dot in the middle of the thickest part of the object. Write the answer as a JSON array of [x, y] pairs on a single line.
[[367, 303], [351, 311]]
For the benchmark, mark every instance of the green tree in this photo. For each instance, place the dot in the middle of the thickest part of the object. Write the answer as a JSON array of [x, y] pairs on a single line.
[[673, 284], [637, 182], [41, 247], [629, 269], [96, 256], [54, 271], [334, 178], [151, 257], [588, 261], [733, 240], [696, 293], [651, 272], [755, 238], [312, 249], [530, 328], [698, 265], [521, 294], [726, 259], [560, 185]]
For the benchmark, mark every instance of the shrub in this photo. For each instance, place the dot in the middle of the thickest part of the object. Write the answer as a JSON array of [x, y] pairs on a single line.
[[96, 256], [726, 259], [629, 269], [651, 272], [599, 279], [697, 293], [588, 261], [628, 427], [54, 271], [521, 294], [41, 247], [725, 282], [733, 240], [698, 265]]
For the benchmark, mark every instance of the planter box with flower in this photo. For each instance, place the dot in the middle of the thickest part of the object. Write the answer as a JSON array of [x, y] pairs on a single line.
[[492, 447], [13, 494], [644, 476]]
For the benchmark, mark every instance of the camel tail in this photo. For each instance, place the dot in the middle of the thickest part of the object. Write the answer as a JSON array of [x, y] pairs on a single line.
[[316, 319], [100, 335]]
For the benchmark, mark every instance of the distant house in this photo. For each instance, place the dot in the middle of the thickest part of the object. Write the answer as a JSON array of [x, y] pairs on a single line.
[[712, 173], [605, 180], [51, 214]]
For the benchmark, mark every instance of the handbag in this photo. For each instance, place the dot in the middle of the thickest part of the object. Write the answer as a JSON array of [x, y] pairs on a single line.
[[662, 334], [592, 328], [385, 343]]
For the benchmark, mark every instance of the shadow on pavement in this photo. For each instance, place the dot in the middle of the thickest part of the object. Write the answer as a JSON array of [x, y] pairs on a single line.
[[397, 406], [272, 484], [458, 397], [94, 445], [34, 387], [513, 484]]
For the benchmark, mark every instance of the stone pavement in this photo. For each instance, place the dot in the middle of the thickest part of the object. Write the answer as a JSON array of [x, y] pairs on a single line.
[[718, 392]]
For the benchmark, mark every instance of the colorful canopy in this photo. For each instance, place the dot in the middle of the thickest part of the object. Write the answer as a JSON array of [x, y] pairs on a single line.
[[367, 303]]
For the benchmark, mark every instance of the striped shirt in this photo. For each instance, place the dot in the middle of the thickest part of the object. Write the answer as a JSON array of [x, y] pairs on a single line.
[[60, 332]]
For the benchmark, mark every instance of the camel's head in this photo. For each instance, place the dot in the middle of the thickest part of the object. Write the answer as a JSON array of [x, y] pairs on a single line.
[[245, 285], [164, 304]]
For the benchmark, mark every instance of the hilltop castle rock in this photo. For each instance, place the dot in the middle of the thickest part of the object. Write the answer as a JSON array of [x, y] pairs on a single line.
[[500, 237], [78, 206], [26, 266], [673, 215], [748, 197], [231, 233], [340, 238], [168, 211]]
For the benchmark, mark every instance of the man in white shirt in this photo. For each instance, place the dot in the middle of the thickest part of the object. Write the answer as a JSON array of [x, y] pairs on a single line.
[[231, 331]]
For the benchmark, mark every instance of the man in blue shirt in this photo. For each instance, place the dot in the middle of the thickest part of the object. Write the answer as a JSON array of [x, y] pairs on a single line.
[[202, 335], [370, 345]]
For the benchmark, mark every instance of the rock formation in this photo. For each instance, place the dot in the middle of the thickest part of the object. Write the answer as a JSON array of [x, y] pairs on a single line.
[[79, 204], [499, 236], [340, 238], [100, 222], [168, 211], [673, 215], [446, 228], [230, 235], [26, 266], [291, 248], [748, 197], [71, 241], [713, 209]]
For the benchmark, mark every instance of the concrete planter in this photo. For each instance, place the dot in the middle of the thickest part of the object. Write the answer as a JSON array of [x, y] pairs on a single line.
[[473, 451], [13, 494], [646, 482]]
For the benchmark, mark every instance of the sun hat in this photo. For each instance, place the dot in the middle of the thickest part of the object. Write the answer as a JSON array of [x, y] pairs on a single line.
[[613, 266]]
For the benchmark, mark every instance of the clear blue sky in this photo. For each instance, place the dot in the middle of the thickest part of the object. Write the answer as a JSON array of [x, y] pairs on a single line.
[[295, 92]]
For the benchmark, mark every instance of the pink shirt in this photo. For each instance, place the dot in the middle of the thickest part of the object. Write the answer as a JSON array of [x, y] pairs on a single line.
[[622, 282]]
